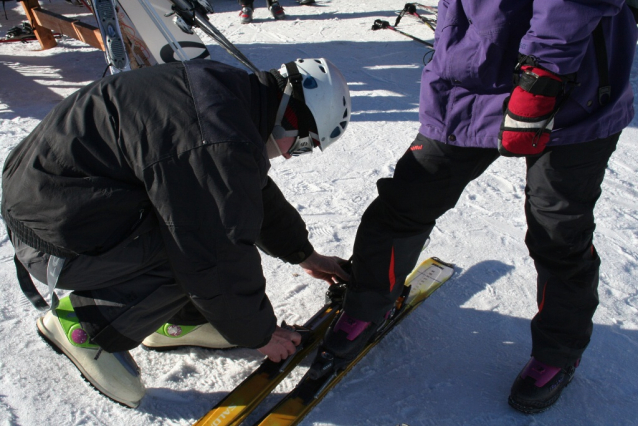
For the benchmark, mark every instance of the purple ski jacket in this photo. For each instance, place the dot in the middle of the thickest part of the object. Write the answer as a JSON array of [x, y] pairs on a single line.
[[476, 50]]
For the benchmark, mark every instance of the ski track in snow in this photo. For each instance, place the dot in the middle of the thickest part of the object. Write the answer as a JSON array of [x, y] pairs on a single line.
[[451, 362]]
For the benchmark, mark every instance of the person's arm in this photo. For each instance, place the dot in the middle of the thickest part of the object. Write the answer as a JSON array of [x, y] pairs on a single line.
[[283, 232], [560, 31], [551, 53], [209, 203]]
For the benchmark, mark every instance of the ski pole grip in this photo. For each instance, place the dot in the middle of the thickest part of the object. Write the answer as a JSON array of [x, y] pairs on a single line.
[[380, 24]]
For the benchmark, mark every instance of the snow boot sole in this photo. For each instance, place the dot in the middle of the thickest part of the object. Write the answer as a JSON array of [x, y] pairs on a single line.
[[527, 398], [537, 408]]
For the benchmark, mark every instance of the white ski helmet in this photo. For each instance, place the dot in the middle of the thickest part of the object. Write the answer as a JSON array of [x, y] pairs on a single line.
[[319, 84]]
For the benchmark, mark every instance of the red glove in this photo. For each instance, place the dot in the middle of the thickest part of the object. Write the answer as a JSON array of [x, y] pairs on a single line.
[[529, 113]]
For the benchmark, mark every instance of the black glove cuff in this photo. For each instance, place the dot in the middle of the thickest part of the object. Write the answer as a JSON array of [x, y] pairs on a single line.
[[540, 85]]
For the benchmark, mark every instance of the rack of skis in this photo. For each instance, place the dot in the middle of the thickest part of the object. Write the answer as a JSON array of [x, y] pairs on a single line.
[[139, 33]]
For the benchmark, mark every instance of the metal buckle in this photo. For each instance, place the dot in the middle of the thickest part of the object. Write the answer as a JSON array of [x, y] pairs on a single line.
[[301, 146]]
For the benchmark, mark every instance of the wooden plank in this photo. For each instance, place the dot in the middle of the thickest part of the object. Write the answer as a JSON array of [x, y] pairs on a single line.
[[69, 27], [42, 33]]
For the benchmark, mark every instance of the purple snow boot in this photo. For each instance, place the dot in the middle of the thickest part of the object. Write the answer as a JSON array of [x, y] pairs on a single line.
[[538, 386]]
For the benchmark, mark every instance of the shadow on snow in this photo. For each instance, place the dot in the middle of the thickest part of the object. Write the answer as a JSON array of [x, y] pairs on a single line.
[[467, 362]]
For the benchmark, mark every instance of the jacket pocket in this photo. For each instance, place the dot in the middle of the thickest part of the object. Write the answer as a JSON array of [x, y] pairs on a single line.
[[480, 58], [474, 55]]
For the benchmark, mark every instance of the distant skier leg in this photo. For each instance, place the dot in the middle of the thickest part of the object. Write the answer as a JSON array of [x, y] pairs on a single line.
[[246, 11], [276, 9]]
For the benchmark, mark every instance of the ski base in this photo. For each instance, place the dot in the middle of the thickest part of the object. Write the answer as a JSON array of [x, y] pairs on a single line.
[[110, 29]]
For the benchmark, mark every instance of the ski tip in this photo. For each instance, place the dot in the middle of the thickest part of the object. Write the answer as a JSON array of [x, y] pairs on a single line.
[[436, 259]]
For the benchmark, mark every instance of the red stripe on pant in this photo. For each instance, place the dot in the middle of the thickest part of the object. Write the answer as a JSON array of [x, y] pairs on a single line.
[[540, 307], [391, 271]]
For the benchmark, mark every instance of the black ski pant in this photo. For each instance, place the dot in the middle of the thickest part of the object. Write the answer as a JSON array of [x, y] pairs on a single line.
[[123, 295], [250, 3], [563, 185]]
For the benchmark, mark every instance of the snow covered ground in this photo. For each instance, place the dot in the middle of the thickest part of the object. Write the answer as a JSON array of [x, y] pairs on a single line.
[[453, 361]]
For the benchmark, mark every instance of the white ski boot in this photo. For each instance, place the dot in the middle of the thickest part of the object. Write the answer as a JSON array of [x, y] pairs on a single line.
[[116, 375], [170, 336]]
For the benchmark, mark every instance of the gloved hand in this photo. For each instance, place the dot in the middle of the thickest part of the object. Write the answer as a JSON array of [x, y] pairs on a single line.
[[282, 344], [529, 113]]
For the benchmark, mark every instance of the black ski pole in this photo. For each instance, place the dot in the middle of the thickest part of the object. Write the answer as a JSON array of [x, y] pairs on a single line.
[[401, 15], [429, 22], [410, 9], [431, 9], [193, 13], [385, 25]]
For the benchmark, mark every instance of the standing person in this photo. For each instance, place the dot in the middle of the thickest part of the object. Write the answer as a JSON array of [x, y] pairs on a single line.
[[147, 194], [247, 8], [564, 112]]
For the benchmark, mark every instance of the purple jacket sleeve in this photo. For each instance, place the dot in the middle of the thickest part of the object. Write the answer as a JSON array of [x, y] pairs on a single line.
[[560, 31]]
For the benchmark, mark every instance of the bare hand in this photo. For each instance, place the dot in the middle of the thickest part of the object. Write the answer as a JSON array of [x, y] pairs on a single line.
[[282, 344], [325, 268]]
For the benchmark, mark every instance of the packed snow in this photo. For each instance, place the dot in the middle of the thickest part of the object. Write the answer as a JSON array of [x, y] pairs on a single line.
[[453, 361]]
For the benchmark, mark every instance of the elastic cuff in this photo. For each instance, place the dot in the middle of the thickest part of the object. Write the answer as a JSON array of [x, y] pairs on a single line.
[[98, 328], [300, 255], [188, 315]]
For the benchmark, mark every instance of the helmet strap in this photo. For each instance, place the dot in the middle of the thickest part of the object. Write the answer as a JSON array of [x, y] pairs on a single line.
[[293, 89], [279, 131], [273, 141], [295, 82]]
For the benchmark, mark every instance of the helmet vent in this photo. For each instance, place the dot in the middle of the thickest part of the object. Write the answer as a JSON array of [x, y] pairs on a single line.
[[310, 83], [335, 133], [322, 69], [345, 113]]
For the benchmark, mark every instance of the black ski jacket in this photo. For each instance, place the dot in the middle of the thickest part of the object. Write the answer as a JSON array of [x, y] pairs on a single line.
[[185, 141]]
